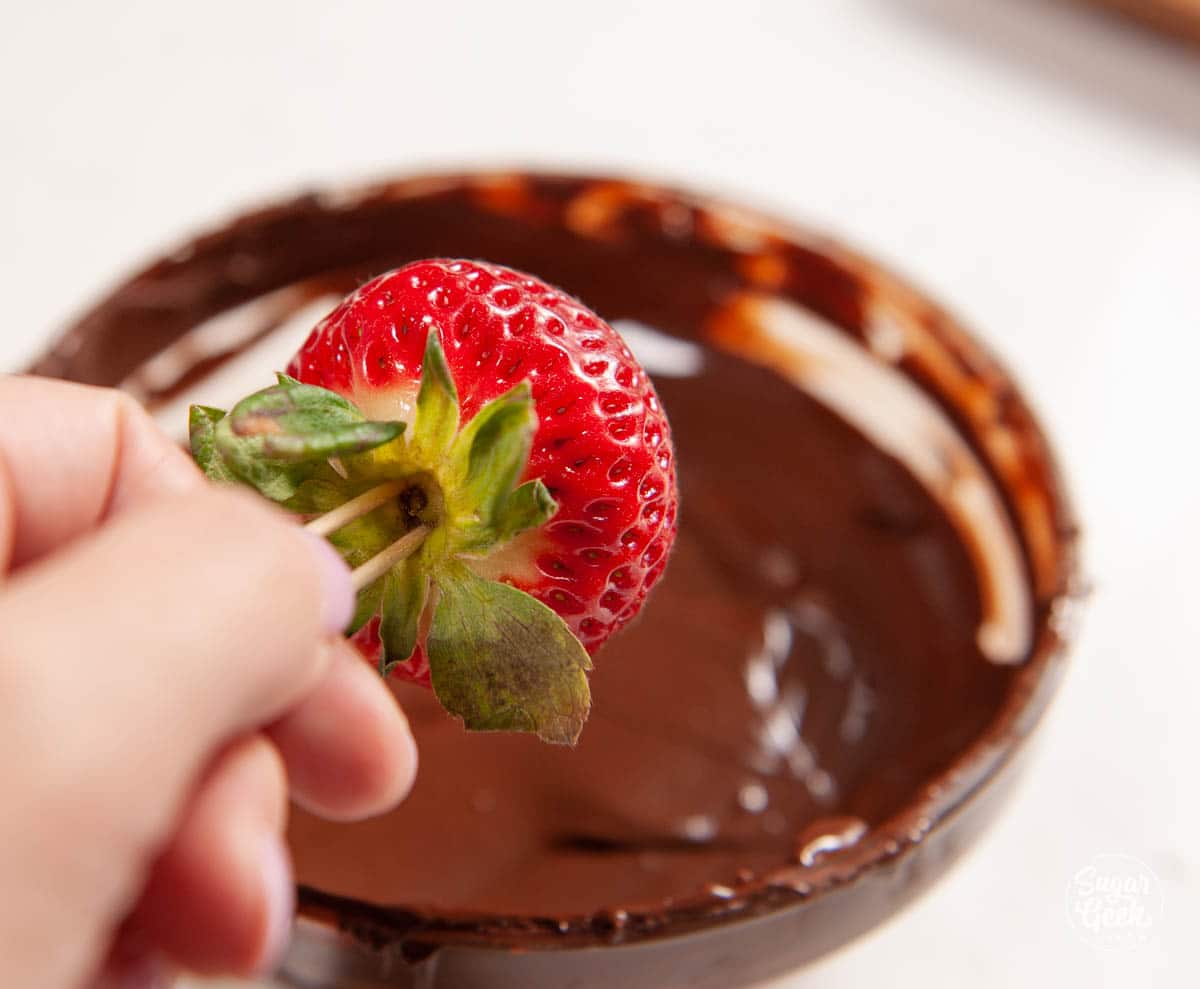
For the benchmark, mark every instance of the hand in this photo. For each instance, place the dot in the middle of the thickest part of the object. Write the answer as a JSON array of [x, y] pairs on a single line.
[[170, 666]]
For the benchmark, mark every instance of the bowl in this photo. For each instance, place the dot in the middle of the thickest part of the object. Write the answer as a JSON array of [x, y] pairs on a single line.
[[829, 696]]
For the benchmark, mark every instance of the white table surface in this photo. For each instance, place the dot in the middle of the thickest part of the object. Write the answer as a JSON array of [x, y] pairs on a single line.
[[1034, 166]]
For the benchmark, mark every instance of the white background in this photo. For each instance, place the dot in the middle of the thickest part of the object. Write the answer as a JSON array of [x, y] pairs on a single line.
[[1034, 166]]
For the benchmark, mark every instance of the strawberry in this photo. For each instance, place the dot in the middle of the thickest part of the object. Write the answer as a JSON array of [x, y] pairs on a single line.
[[526, 451]]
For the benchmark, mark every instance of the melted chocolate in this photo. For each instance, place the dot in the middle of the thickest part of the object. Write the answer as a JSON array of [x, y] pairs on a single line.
[[803, 680], [795, 664]]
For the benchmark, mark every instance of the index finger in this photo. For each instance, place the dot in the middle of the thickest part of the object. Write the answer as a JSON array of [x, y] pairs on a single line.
[[71, 456]]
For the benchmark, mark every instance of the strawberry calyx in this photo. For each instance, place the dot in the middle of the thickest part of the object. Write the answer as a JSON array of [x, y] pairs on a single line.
[[498, 658]]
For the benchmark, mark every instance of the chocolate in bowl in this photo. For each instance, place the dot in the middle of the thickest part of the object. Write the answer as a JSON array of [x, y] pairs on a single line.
[[827, 696]]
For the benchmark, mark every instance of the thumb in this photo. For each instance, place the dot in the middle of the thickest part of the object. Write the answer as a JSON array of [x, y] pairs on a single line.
[[125, 662]]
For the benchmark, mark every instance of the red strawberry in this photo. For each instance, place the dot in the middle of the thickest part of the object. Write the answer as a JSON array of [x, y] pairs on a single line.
[[537, 457]]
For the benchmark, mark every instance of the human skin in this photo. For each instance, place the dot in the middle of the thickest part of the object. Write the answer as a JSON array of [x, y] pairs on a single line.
[[171, 670]]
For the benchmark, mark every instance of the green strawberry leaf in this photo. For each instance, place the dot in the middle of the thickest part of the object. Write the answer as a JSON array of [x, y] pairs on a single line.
[[405, 590], [279, 482], [437, 405], [283, 436], [367, 607], [322, 492], [294, 423], [276, 481], [202, 430], [503, 661], [491, 452], [527, 507]]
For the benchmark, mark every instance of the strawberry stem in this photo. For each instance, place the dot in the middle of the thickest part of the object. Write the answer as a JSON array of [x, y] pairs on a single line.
[[368, 501], [380, 564]]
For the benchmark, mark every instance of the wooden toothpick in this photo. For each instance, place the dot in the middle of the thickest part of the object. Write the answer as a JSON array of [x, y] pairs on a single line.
[[368, 501], [378, 565]]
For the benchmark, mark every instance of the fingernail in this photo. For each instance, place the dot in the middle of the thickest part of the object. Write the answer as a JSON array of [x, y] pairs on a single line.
[[338, 598], [281, 904]]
